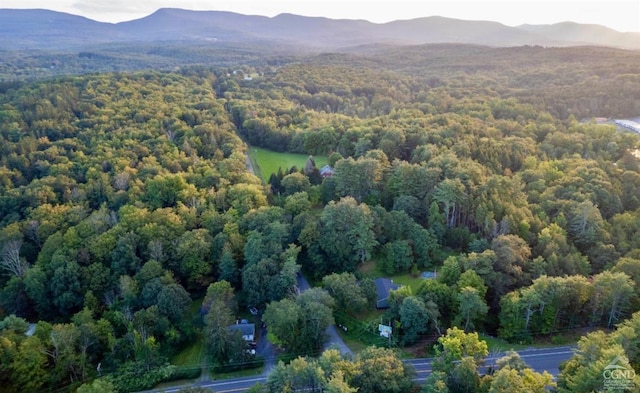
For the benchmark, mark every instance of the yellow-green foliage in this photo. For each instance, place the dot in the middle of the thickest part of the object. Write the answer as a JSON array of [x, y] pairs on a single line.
[[267, 162]]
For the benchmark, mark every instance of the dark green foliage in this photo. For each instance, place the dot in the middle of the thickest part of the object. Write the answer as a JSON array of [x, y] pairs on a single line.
[[350, 295], [270, 279], [229, 269], [129, 195], [414, 318], [369, 290], [299, 324], [381, 370], [173, 302], [131, 378], [442, 296], [346, 234], [397, 257], [86, 244], [597, 350]]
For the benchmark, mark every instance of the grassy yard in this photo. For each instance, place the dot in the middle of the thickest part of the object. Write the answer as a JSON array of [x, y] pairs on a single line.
[[249, 372], [498, 345], [191, 356], [355, 345], [561, 339], [194, 355], [265, 162], [371, 270]]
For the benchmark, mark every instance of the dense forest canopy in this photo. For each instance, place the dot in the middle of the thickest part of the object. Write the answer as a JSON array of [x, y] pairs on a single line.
[[126, 196]]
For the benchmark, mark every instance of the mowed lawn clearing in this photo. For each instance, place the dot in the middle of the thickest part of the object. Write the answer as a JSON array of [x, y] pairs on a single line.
[[265, 162], [193, 354], [371, 270]]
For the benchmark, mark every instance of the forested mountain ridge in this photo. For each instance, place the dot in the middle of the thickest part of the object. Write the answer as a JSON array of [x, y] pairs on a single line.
[[42, 29], [126, 196], [585, 34]]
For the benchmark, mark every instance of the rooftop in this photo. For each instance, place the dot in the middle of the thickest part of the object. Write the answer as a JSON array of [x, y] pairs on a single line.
[[383, 287], [246, 329]]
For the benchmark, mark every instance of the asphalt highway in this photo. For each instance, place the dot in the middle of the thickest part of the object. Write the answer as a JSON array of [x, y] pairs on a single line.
[[544, 359]]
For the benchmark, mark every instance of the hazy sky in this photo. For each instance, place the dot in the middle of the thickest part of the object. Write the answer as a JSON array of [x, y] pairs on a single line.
[[622, 15]]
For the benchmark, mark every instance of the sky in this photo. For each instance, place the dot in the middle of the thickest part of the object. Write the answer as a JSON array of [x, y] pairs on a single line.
[[621, 15]]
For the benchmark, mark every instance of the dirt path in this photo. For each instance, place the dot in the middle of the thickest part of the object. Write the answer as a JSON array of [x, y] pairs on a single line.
[[249, 164]]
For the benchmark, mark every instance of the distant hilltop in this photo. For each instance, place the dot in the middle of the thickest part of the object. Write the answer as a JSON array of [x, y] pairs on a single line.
[[44, 29]]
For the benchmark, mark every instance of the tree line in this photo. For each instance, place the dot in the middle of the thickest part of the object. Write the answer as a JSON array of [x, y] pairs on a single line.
[[125, 197]]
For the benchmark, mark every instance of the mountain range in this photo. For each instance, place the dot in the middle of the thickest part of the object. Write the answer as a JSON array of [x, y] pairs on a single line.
[[44, 29]]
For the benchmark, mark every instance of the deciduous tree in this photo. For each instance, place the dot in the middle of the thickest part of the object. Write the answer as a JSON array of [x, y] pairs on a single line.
[[414, 318], [472, 308], [346, 234]]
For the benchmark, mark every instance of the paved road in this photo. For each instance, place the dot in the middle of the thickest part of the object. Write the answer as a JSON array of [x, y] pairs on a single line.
[[547, 359], [544, 359], [334, 339], [235, 385]]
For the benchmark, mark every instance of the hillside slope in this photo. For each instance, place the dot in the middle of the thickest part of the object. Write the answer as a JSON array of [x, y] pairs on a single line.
[[43, 29]]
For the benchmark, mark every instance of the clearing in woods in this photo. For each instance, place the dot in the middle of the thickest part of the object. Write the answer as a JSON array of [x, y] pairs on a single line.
[[265, 162]]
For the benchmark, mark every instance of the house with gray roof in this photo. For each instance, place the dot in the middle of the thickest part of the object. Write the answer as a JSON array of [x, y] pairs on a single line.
[[383, 287], [248, 330]]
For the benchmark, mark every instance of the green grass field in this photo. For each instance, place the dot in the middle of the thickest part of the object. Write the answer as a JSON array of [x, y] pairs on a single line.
[[371, 270], [192, 355], [265, 162], [498, 345]]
